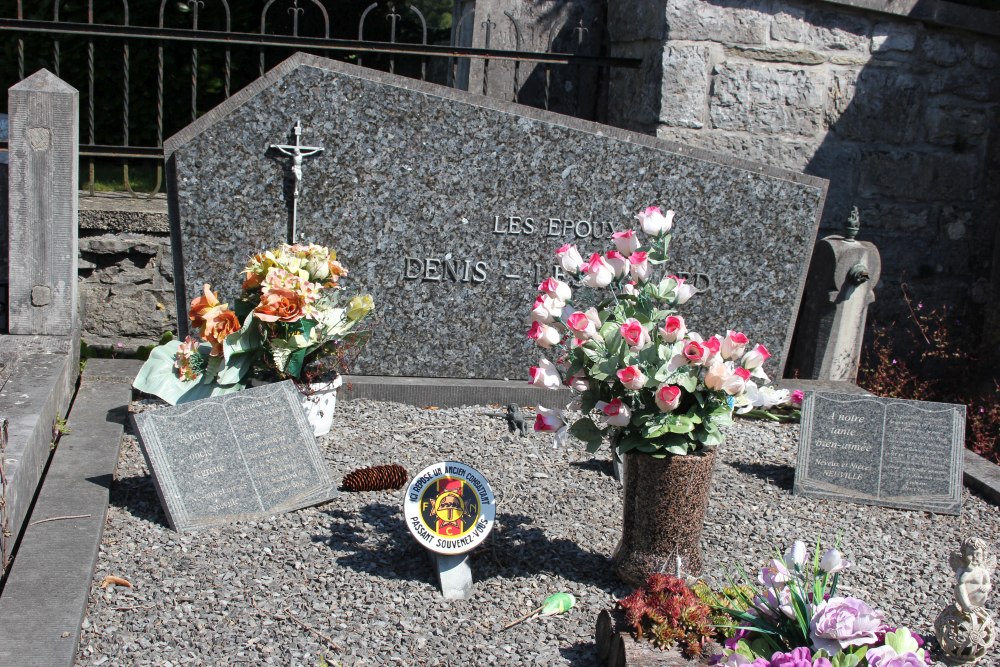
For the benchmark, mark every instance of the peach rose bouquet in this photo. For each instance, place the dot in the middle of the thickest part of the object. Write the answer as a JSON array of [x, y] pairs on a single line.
[[291, 321]]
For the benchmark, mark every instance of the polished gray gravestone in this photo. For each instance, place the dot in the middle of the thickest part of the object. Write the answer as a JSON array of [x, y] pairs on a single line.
[[448, 207], [882, 451], [240, 456]]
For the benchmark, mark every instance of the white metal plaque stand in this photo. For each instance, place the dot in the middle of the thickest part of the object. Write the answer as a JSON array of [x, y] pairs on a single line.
[[449, 508]]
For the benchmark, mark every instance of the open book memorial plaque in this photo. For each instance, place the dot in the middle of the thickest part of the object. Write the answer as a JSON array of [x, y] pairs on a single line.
[[882, 451], [242, 456]]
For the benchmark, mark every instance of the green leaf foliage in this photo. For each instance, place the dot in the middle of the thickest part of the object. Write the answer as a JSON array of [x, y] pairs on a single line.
[[586, 430], [159, 378]]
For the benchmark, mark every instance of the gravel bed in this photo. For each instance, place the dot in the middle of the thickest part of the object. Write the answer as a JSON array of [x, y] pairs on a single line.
[[345, 583]]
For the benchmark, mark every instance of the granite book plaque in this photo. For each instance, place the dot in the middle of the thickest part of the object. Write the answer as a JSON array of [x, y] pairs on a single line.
[[246, 455], [882, 451], [447, 207]]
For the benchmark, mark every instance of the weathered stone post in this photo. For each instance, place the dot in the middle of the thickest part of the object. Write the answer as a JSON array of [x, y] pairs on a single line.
[[42, 223], [840, 286]]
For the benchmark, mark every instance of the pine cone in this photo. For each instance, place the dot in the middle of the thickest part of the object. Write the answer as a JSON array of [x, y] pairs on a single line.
[[376, 478]]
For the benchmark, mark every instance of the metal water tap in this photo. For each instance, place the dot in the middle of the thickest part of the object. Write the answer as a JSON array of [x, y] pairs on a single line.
[[858, 274]]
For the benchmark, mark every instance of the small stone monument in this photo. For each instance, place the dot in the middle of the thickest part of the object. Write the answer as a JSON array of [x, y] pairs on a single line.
[[450, 509], [965, 630]]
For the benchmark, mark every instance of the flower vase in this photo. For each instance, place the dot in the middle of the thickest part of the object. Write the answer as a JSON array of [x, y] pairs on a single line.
[[319, 404], [664, 509]]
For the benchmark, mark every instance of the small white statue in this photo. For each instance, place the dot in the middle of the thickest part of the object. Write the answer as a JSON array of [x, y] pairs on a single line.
[[965, 630]]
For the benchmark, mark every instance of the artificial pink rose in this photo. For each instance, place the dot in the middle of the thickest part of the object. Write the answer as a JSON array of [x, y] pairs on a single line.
[[797, 397], [654, 222], [569, 258], [720, 377], [545, 374], [695, 352], [841, 622], [716, 376], [755, 357], [615, 413], [556, 289], [619, 263], [673, 329], [713, 344], [549, 419], [684, 291], [635, 334], [578, 383], [639, 265], [581, 325], [626, 242], [629, 288], [667, 397], [632, 377], [546, 309], [734, 345], [597, 272], [544, 335]]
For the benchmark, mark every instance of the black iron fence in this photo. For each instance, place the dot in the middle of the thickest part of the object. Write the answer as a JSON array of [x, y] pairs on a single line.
[[145, 70]]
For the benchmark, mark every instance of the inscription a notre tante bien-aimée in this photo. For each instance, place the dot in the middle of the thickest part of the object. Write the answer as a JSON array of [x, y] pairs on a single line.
[[450, 269]]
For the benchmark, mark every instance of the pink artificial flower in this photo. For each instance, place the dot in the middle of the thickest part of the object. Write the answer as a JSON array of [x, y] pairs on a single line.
[[545, 374], [619, 263], [615, 413], [578, 383], [629, 288], [673, 329], [684, 291], [714, 345], [695, 352], [639, 265], [549, 419], [842, 622], [734, 345], [654, 222], [581, 325], [556, 289], [635, 334], [597, 272], [756, 357], [546, 309], [667, 397], [632, 377], [626, 242], [569, 258], [544, 335], [797, 397]]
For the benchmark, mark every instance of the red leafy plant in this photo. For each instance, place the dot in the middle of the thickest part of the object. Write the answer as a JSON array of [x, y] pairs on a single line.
[[668, 612]]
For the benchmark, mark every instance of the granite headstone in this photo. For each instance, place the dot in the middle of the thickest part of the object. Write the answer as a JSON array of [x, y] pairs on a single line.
[[447, 207], [882, 451], [245, 455]]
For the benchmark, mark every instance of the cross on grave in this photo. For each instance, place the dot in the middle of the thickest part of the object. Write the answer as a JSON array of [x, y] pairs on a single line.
[[296, 152]]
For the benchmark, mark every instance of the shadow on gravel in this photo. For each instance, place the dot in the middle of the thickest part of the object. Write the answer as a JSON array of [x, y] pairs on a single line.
[[780, 476], [580, 654], [595, 465], [518, 549], [137, 496], [376, 541]]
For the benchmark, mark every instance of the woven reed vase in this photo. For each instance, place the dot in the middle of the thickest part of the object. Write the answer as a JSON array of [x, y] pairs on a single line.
[[664, 510]]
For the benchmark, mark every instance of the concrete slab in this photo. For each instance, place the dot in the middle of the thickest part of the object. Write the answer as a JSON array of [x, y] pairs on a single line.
[[982, 476], [44, 599], [41, 373], [449, 392]]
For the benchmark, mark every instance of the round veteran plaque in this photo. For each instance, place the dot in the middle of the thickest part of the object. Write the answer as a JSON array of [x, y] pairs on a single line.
[[449, 507]]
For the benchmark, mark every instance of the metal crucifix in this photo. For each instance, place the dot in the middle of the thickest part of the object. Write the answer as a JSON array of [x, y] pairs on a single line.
[[297, 152]]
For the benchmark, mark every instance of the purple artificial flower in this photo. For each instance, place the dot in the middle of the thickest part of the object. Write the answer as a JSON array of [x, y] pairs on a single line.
[[799, 657], [841, 622], [885, 656]]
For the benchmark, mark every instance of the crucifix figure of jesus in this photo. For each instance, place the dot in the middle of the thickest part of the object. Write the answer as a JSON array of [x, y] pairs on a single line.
[[297, 152]]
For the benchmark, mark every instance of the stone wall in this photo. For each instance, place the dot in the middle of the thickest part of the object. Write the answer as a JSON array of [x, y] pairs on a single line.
[[126, 271], [900, 114]]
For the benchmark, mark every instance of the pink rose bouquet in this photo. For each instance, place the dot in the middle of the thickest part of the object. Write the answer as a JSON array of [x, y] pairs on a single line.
[[291, 321], [646, 379]]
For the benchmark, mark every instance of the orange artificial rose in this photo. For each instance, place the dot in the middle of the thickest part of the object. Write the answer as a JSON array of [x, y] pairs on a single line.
[[204, 307], [217, 328], [279, 305]]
